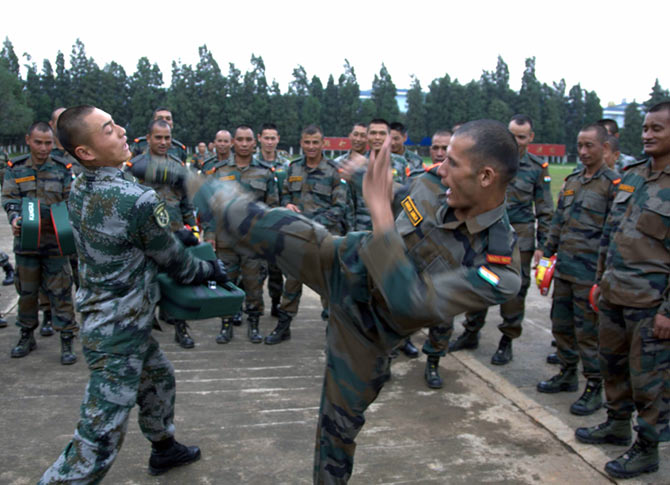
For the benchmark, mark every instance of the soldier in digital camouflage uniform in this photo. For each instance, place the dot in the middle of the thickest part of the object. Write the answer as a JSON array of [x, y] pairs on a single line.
[[398, 138], [576, 228], [177, 148], [530, 189], [259, 181], [223, 141], [359, 142], [268, 138], [383, 286], [313, 188], [180, 209], [122, 237], [633, 275], [46, 178]]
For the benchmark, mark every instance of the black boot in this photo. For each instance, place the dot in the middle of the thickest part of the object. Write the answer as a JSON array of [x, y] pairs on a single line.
[[26, 344], [169, 453], [47, 329], [431, 373], [282, 331], [67, 356], [591, 399], [565, 381], [274, 309], [181, 335], [3, 322], [237, 319], [9, 275], [504, 353], [252, 331], [466, 340], [409, 349], [553, 359], [226, 333], [640, 458]]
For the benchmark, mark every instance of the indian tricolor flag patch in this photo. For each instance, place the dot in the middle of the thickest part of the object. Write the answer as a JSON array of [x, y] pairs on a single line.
[[547, 179], [488, 275]]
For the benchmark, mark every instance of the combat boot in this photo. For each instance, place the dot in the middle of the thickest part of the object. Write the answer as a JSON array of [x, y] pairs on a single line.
[[252, 330], [237, 319], [640, 458], [564, 381], [47, 329], [226, 333], [282, 331], [9, 275], [325, 314], [613, 432], [553, 359], [467, 340], [181, 335], [409, 349], [504, 353], [591, 400], [67, 355], [431, 374], [3, 322], [169, 453], [274, 309], [26, 344]]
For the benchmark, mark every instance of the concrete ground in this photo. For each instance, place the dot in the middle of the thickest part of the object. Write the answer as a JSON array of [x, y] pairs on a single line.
[[253, 409]]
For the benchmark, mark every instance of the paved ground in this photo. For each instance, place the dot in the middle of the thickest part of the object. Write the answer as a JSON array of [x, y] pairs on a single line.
[[252, 409]]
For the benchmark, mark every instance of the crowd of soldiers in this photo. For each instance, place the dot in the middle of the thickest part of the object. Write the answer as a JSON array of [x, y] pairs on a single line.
[[408, 245]]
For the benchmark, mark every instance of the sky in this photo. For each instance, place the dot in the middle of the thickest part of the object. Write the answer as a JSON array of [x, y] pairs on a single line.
[[607, 47]]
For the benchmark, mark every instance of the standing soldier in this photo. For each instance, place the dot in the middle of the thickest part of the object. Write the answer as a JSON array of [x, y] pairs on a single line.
[[268, 139], [633, 276], [531, 187], [574, 237], [622, 160], [177, 205], [40, 176], [398, 138], [259, 181], [177, 148], [222, 144], [199, 157], [358, 137], [314, 189], [122, 237]]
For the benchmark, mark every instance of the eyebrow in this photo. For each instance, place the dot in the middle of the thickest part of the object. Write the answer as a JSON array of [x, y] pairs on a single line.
[[110, 122]]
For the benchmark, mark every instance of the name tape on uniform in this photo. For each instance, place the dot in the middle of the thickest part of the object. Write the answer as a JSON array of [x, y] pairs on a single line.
[[412, 212]]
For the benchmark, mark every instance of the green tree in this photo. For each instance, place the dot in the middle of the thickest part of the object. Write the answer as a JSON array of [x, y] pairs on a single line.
[[330, 109], [63, 95], [383, 96], [529, 100], [84, 76], [37, 100], [631, 134], [257, 97], [593, 111], [212, 101], [9, 58], [575, 115], [416, 111], [183, 90], [16, 115], [147, 93], [349, 100], [657, 95], [114, 93]]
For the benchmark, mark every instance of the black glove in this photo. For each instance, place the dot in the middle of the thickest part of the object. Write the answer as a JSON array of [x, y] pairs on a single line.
[[219, 274], [186, 237]]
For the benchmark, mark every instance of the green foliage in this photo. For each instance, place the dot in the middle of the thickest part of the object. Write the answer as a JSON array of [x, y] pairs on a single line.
[[657, 95], [16, 115], [631, 134], [383, 96]]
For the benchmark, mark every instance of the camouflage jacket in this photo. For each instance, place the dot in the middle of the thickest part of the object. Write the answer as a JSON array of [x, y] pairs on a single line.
[[279, 167], [179, 208], [634, 262], [414, 163], [257, 179], [318, 192], [49, 182], [531, 186], [623, 161], [75, 166], [577, 225], [121, 233], [209, 163], [177, 149]]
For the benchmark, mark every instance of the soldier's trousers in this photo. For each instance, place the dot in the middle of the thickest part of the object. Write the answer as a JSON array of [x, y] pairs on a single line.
[[575, 327], [635, 367], [252, 270], [512, 312], [53, 276], [275, 282], [117, 383], [437, 343], [290, 299]]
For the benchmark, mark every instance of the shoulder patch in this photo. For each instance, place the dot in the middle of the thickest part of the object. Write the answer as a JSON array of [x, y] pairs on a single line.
[[627, 188], [295, 178], [227, 177], [568, 192], [16, 160], [498, 259], [411, 210], [488, 276], [547, 179], [161, 215], [175, 159], [635, 164], [29, 178]]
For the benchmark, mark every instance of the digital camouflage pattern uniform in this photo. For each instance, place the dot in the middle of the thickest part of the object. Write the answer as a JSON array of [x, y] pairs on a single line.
[[42, 269], [530, 189], [634, 277], [381, 290], [574, 237], [259, 181], [122, 237], [321, 196]]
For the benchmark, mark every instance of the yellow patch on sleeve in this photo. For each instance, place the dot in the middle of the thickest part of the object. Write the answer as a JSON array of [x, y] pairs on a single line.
[[497, 259], [412, 212], [569, 192], [29, 178], [227, 177], [295, 178], [627, 188]]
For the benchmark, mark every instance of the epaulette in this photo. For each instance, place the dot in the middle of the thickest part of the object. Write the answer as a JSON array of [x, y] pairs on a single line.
[[332, 163], [16, 160], [573, 173], [207, 160], [612, 176], [139, 139], [175, 158], [637, 162], [499, 249], [433, 168], [538, 160], [62, 161], [179, 144], [263, 163]]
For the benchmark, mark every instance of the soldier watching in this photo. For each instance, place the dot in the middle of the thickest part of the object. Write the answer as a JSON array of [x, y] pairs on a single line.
[[177, 148], [398, 139], [199, 156], [222, 145], [613, 129]]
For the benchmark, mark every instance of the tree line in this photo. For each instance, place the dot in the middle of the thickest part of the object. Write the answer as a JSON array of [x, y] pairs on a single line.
[[204, 99]]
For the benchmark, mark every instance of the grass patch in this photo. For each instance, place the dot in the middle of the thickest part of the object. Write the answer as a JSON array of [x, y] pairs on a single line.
[[558, 173]]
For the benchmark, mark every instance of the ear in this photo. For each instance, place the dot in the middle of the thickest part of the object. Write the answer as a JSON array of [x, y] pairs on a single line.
[[487, 177], [27, 139], [531, 137], [84, 153]]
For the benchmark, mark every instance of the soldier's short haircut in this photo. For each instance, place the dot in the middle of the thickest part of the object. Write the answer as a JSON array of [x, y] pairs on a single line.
[[380, 121], [243, 127], [442, 133], [399, 127], [39, 126], [522, 119], [157, 123], [72, 131], [359, 123], [493, 144], [662, 106], [601, 132], [312, 130], [610, 125], [56, 110], [268, 126], [614, 143], [160, 108]]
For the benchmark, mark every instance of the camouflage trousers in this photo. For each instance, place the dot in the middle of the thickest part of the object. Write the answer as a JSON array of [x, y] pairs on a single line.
[[252, 271], [437, 343], [636, 368], [512, 312], [52, 277], [117, 383], [290, 299], [275, 282], [575, 327]]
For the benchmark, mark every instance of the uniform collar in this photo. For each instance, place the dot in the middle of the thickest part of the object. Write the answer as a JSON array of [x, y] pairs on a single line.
[[474, 224]]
